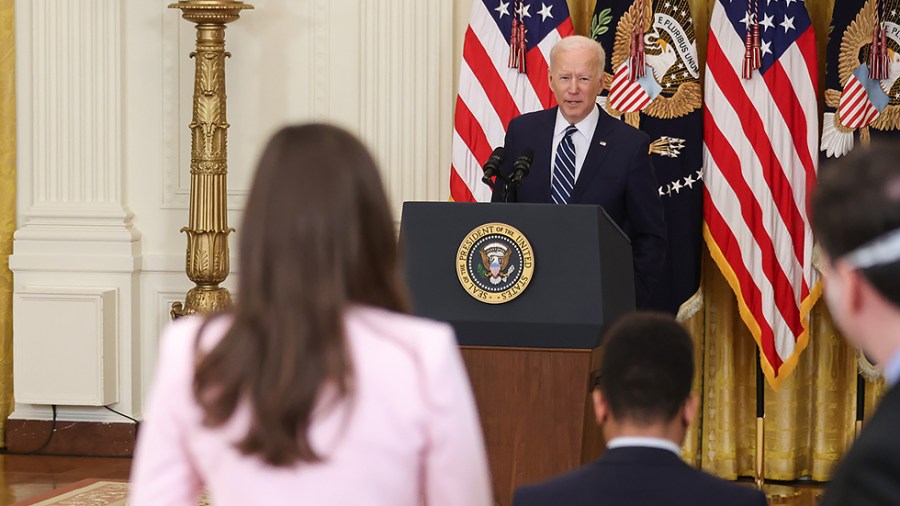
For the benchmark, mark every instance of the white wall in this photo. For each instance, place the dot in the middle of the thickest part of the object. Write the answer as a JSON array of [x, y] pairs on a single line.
[[104, 99]]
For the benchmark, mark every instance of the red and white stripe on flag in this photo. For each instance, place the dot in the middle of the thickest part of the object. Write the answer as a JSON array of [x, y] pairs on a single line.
[[855, 109], [626, 95], [760, 159], [491, 94]]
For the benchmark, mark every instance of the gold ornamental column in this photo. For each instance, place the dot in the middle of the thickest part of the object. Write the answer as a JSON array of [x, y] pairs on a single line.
[[207, 230]]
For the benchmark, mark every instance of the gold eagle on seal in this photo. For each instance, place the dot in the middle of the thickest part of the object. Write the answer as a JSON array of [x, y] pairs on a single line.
[[681, 92], [856, 42], [496, 263]]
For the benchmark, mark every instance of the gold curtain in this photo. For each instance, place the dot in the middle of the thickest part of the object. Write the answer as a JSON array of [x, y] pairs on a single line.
[[7, 203], [810, 420]]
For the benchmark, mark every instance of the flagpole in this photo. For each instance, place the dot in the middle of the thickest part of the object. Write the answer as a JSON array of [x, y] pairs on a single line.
[[775, 494], [860, 402], [760, 478]]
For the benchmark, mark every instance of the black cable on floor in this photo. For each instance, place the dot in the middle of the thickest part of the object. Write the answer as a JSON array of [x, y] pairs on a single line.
[[49, 436], [137, 423], [121, 414]]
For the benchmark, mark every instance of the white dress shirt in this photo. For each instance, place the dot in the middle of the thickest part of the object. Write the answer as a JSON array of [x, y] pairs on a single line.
[[647, 442], [892, 369], [581, 139]]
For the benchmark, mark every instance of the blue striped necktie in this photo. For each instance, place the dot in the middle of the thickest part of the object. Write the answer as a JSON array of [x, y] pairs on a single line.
[[564, 169]]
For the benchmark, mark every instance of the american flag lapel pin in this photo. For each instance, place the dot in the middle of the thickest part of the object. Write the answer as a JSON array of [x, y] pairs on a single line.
[[602, 143]]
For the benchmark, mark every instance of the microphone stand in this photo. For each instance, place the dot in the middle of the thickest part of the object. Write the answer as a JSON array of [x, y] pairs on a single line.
[[506, 183], [521, 168]]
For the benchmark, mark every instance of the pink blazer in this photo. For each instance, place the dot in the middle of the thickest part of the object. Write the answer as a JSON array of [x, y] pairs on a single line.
[[410, 435]]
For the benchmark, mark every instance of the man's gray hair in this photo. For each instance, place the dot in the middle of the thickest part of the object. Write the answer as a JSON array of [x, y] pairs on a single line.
[[579, 42]]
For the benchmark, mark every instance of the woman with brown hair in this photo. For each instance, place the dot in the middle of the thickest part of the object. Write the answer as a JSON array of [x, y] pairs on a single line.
[[316, 388]]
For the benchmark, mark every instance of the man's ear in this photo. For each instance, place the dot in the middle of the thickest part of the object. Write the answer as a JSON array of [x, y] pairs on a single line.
[[689, 410], [601, 410], [853, 285]]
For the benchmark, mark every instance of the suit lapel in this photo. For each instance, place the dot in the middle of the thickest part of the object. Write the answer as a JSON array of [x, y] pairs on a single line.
[[545, 134], [597, 151]]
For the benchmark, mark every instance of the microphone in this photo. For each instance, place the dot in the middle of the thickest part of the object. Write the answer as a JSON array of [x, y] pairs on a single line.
[[492, 166], [522, 166]]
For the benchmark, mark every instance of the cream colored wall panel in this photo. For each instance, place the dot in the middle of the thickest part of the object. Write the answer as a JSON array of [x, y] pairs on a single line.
[[271, 79], [462, 11], [161, 285], [65, 346], [75, 111], [407, 95], [159, 294], [381, 69], [73, 341]]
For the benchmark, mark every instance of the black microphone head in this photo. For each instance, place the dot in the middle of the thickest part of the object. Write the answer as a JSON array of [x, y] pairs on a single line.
[[497, 156], [492, 165], [523, 163], [522, 166]]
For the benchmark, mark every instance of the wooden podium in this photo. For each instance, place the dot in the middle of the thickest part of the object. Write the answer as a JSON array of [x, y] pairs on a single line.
[[529, 359]]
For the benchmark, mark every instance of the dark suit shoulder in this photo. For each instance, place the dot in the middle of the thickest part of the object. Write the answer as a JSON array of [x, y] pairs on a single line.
[[867, 475], [529, 118], [572, 485], [638, 477]]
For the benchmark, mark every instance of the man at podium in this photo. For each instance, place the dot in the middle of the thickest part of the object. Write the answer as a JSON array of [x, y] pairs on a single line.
[[578, 154]]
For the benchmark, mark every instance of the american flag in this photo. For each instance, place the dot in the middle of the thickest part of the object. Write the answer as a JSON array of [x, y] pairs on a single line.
[[760, 157], [491, 93]]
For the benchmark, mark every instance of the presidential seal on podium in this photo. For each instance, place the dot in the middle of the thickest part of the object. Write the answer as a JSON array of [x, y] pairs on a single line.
[[495, 263]]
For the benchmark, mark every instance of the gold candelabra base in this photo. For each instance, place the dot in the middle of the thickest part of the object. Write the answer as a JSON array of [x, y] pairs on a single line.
[[206, 299]]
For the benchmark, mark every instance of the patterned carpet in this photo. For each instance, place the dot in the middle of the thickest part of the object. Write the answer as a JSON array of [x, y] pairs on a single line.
[[114, 493], [88, 493]]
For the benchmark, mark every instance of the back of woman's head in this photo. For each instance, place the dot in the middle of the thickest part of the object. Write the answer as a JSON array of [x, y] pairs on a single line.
[[317, 236], [317, 219]]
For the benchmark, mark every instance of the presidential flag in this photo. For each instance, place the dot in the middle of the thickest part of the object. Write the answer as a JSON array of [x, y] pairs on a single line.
[[862, 95], [760, 159], [503, 73], [665, 102]]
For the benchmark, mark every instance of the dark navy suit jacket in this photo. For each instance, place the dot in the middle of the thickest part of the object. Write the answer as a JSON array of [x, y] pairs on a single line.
[[617, 174], [869, 475], [638, 476]]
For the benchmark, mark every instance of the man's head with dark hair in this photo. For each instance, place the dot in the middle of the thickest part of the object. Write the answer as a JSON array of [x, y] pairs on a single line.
[[645, 377], [855, 211], [856, 201]]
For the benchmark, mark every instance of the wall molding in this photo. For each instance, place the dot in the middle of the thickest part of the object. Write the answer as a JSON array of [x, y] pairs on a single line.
[[76, 116]]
